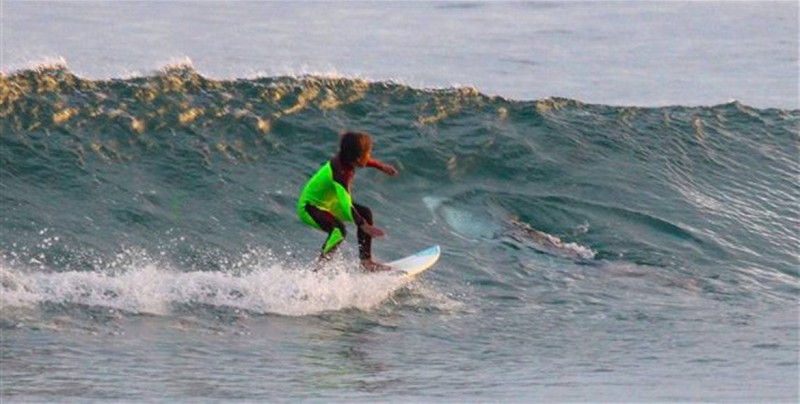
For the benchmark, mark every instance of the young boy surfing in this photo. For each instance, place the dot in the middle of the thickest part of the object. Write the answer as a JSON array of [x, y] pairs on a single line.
[[326, 202]]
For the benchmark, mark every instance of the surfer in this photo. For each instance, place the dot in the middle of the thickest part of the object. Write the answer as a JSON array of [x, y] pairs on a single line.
[[326, 202]]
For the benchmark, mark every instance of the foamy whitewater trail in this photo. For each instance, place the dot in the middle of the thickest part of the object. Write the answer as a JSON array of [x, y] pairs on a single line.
[[150, 288]]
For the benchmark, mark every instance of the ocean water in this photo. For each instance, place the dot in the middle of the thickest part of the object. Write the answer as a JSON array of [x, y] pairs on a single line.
[[614, 187]]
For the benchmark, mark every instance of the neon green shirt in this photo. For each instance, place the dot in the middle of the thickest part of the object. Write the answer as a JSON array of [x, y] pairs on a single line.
[[325, 193]]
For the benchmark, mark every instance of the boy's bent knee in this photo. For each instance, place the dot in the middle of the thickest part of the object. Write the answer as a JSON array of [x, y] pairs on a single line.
[[365, 212]]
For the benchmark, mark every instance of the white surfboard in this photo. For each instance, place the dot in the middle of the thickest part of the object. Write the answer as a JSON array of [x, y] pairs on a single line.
[[413, 265]]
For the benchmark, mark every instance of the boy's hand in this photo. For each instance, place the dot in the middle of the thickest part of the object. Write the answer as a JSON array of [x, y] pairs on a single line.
[[386, 168], [372, 230]]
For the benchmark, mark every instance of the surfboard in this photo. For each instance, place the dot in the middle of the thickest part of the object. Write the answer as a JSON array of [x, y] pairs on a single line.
[[415, 264]]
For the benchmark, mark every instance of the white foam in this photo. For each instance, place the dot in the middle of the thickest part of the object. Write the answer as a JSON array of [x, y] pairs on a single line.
[[35, 63], [277, 288]]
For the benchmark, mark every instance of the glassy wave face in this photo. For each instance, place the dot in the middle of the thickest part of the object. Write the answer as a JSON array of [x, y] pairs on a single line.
[[153, 194]]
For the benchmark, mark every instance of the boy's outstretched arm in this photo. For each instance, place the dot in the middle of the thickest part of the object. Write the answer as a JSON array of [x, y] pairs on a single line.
[[386, 168], [346, 203], [372, 230], [362, 224]]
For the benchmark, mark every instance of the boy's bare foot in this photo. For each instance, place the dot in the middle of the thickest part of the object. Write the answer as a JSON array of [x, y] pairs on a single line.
[[372, 266]]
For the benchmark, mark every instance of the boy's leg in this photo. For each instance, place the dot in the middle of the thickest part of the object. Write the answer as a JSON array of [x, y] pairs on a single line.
[[331, 225], [364, 239], [365, 243]]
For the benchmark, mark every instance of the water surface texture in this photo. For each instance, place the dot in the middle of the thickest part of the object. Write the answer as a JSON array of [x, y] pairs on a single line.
[[634, 239]]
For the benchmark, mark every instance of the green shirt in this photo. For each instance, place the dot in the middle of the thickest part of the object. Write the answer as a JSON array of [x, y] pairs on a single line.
[[325, 193]]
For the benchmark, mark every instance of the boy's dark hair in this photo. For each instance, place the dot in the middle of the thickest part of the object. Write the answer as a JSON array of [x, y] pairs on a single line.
[[353, 145]]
